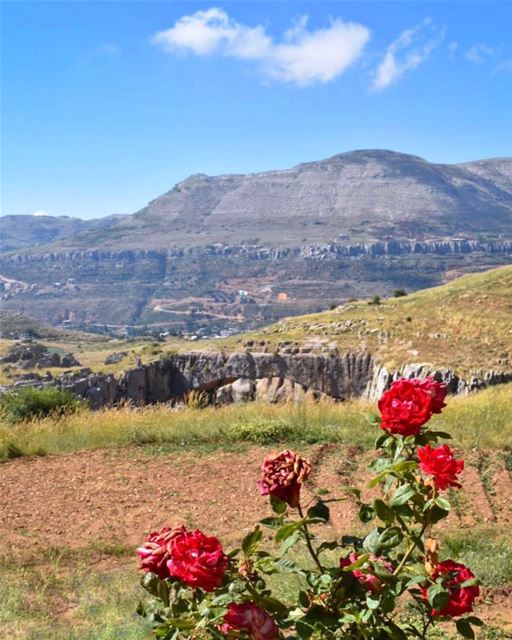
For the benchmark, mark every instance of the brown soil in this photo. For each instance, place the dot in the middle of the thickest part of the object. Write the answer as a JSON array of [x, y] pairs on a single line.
[[115, 496]]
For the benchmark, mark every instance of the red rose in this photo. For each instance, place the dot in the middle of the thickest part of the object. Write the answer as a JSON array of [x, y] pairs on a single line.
[[364, 575], [437, 390], [197, 560], [461, 598], [156, 551], [406, 407], [282, 476], [252, 619], [440, 464]]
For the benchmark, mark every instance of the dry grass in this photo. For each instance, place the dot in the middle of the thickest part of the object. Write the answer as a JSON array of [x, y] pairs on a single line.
[[482, 420]]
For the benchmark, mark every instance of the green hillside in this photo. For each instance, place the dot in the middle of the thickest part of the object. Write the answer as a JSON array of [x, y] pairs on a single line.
[[463, 325]]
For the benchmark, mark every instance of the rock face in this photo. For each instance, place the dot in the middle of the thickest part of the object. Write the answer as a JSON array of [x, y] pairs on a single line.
[[241, 377], [30, 354]]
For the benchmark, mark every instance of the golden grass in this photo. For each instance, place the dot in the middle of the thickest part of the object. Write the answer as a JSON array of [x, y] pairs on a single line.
[[482, 420]]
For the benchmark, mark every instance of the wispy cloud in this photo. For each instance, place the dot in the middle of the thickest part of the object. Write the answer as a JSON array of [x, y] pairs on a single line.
[[506, 66], [480, 53], [302, 56], [105, 49], [410, 49]]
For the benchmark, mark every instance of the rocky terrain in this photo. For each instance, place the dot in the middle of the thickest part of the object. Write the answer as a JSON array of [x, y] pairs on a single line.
[[226, 253]]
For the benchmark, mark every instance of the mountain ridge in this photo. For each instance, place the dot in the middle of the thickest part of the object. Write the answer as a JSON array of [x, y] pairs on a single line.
[[367, 194], [234, 252]]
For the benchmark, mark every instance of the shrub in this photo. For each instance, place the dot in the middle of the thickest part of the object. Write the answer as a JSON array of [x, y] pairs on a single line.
[[399, 293], [28, 402], [261, 431], [353, 587]]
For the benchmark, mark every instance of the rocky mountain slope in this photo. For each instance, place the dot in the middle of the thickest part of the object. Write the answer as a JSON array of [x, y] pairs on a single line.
[[231, 252]]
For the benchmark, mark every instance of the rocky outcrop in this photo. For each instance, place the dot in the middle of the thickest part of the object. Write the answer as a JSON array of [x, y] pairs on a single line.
[[321, 251], [28, 355], [244, 376]]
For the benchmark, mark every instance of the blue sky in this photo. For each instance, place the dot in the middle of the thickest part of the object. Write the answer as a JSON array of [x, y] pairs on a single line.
[[105, 105]]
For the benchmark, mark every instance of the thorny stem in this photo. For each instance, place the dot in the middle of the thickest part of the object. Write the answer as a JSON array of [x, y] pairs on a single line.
[[308, 541]]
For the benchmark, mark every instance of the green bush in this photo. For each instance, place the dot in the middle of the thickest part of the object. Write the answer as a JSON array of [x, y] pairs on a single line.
[[261, 431], [28, 402]]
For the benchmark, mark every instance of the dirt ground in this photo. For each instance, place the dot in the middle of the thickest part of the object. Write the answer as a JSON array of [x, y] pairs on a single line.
[[115, 496]]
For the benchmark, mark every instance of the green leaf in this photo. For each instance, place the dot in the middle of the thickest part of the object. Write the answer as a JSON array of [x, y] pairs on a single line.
[[272, 522], [150, 581], [465, 629], [380, 441], [385, 513], [278, 506], [390, 537], [404, 465], [443, 504], [438, 597], [251, 541], [288, 543], [470, 583], [163, 592], [319, 510], [439, 434], [366, 513], [372, 601], [402, 495], [476, 622], [436, 514], [358, 563], [304, 630], [371, 543]]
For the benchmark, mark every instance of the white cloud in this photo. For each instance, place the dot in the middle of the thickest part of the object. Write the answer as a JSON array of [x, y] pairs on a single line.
[[40, 213], [479, 53], [410, 49], [302, 56], [506, 66], [452, 48]]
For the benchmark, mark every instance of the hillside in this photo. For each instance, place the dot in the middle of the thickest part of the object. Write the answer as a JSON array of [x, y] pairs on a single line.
[[21, 232], [217, 255], [464, 325]]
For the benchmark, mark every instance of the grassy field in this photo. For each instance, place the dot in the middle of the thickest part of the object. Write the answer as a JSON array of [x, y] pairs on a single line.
[[482, 420], [89, 592]]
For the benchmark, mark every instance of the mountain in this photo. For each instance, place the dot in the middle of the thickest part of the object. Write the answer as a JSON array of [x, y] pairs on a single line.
[[365, 195], [21, 232], [232, 252]]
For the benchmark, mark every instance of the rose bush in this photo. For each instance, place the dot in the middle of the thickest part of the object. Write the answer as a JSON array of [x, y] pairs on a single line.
[[387, 584]]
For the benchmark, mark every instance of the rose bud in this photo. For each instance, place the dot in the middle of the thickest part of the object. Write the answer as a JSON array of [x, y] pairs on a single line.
[[156, 551], [406, 407], [461, 599], [441, 465], [252, 619], [282, 476], [197, 560]]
